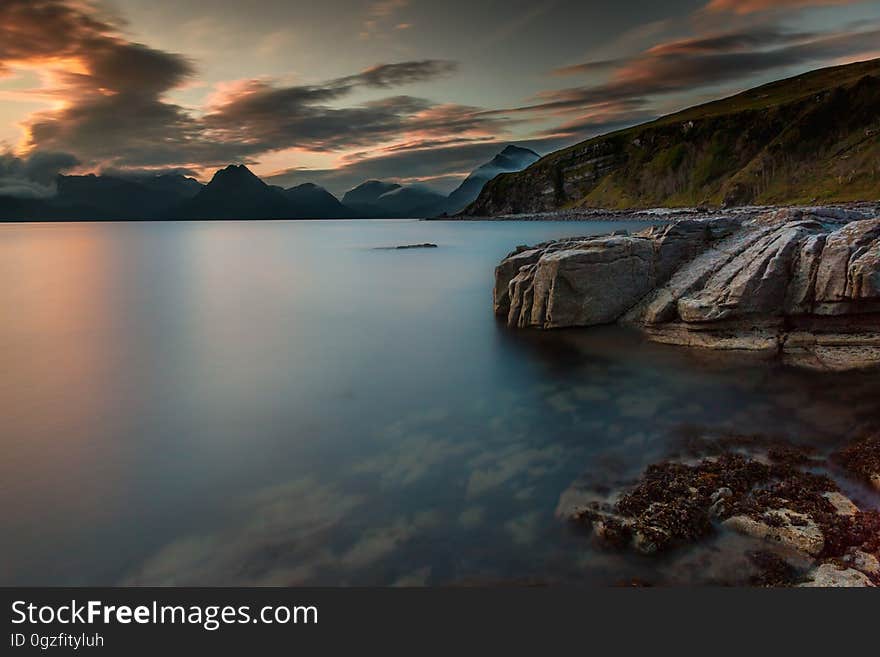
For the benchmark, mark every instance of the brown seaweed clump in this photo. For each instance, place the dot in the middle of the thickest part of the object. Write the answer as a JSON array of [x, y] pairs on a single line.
[[772, 570], [861, 458], [773, 498]]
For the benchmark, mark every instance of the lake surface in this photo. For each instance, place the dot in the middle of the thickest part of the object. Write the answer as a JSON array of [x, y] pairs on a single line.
[[277, 403]]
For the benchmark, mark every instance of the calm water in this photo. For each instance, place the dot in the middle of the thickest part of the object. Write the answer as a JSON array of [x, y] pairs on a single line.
[[281, 403]]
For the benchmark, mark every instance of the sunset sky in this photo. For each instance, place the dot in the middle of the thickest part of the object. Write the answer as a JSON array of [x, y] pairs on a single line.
[[339, 91]]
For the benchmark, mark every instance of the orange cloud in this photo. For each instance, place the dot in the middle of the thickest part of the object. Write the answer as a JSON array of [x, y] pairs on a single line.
[[754, 6]]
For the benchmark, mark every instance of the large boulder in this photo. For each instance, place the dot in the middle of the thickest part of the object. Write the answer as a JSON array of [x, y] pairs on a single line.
[[804, 283]]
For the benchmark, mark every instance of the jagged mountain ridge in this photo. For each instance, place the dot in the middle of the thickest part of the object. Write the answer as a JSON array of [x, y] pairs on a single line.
[[235, 192]]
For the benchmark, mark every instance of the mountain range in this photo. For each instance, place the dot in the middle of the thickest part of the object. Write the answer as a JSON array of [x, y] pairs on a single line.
[[808, 139], [237, 193]]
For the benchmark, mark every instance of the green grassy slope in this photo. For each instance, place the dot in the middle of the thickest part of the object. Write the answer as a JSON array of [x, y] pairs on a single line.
[[812, 138]]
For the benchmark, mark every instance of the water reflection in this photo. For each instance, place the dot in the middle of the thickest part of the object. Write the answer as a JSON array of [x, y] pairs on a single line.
[[279, 403]]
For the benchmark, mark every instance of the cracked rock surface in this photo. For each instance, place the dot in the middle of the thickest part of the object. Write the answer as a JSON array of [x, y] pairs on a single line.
[[801, 283]]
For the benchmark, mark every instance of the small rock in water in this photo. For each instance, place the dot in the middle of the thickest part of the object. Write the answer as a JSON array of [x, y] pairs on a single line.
[[426, 245]]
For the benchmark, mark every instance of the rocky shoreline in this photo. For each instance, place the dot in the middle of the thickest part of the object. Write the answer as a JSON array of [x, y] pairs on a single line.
[[656, 214], [799, 283], [801, 528]]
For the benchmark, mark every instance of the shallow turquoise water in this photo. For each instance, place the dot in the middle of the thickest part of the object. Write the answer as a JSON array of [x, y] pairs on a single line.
[[282, 403]]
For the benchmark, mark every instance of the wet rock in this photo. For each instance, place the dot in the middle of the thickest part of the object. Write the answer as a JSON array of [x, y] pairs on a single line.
[[769, 495], [671, 504], [864, 562], [803, 283], [829, 575], [784, 526], [862, 459], [717, 509], [842, 504]]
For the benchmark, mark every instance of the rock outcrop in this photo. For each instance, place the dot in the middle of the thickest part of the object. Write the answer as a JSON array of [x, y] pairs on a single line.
[[803, 283], [806, 530]]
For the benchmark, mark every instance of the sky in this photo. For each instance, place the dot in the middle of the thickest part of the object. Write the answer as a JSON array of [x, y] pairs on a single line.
[[340, 91]]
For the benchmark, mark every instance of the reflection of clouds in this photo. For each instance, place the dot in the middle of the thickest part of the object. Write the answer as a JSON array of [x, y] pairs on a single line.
[[412, 459], [283, 540], [516, 460], [313, 532], [591, 393], [280, 541], [376, 544], [472, 517], [561, 402], [416, 578], [642, 405], [524, 529]]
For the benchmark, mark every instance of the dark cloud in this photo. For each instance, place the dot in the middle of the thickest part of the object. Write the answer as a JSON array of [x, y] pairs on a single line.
[[47, 28], [393, 75], [116, 113], [112, 88], [273, 118], [442, 163], [707, 61], [33, 176]]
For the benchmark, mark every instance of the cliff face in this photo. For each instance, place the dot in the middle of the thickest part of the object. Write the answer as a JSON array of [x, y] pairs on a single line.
[[803, 284], [812, 138]]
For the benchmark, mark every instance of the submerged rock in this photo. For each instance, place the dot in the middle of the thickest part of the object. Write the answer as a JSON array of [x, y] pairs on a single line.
[[803, 283], [770, 494]]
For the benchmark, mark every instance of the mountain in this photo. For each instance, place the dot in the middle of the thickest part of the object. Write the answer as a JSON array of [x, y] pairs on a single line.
[[363, 199], [311, 201], [236, 193], [172, 185], [368, 192], [375, 198], [107, 196], [811, 138], [30, 209], [511, 159], [410, 201], [233, 193], [115, 197], [93, 197]]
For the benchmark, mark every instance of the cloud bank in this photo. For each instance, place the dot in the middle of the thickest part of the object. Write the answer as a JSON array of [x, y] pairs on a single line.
[[110, 100]]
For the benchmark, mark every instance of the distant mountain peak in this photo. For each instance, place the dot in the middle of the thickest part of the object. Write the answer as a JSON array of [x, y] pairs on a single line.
[[234, 172], [510, 159], [513, 149], [368, 192]]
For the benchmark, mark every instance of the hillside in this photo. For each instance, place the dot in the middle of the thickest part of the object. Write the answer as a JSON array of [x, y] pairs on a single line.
[[815, 137]]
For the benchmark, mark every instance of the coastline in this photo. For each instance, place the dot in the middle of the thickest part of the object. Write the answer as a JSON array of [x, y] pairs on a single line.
[[658, 213]]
